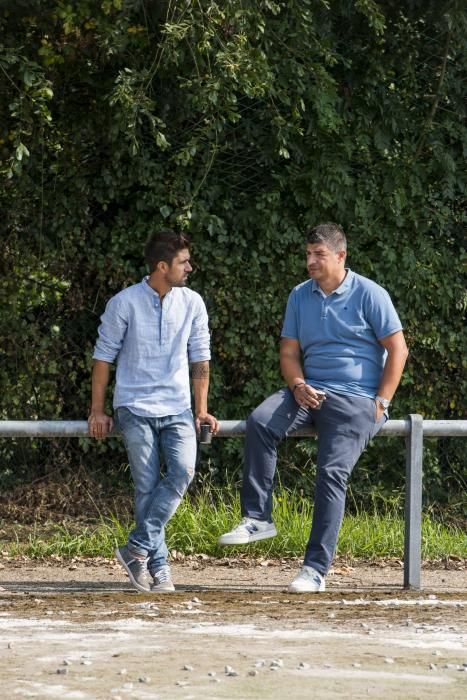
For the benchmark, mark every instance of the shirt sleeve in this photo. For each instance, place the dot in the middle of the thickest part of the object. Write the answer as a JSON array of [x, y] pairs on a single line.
[[111, 331], [199, 339], [290, 325], [381, 314]]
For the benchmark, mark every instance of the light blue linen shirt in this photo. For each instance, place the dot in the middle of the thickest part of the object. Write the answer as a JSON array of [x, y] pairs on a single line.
[[153, 345], [339, 333]]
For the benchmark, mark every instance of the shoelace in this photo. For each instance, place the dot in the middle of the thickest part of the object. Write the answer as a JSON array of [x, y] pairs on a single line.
[[244, 523], [138, 563], [312, 575], [163, 575]]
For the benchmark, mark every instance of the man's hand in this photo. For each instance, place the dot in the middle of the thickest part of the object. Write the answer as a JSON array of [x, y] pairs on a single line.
[[100, 424], [206, 418], [379, 411], [306, 396]]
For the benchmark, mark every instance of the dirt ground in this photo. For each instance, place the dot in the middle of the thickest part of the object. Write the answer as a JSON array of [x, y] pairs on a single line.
[[76, 629]]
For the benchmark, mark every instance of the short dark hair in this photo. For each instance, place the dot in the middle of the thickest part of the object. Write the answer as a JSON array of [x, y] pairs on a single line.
[[164, 246], [330, 234]]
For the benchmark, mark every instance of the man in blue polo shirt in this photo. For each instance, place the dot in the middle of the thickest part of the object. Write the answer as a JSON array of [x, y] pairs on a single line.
[[154, 330], [341, 337]]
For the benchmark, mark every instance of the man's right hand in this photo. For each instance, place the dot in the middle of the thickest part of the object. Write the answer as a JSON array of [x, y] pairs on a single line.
[[100, 424], [306, 396]]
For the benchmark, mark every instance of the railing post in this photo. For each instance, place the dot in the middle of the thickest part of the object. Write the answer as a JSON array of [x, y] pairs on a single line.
[[413, 502]]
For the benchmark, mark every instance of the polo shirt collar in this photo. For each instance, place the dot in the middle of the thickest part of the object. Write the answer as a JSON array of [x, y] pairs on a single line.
[[341, 289]]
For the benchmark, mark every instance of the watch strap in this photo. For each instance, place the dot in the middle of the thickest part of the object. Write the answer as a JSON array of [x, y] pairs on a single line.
[[382, 401]]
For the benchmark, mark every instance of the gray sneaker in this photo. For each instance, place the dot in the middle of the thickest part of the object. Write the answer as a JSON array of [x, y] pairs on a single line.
[[162, 580], [137, 569], [248, 530]]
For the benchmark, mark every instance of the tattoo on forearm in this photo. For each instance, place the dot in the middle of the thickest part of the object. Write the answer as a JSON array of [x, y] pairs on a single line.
[[200, 370]]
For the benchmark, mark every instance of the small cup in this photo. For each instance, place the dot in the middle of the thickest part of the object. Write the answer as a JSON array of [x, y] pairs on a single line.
[[321, 397], [205, 434]]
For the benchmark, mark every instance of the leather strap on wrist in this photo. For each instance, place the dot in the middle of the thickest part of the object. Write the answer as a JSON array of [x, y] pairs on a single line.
[[295, 386]]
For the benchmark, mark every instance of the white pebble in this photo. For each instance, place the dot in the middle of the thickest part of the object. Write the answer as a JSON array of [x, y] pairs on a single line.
[[276, 663], [388, 660], [254, 672], [302, 665], [187, 667]]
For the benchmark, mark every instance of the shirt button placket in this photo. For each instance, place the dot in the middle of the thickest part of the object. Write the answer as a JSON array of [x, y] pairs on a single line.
[[324, 309]]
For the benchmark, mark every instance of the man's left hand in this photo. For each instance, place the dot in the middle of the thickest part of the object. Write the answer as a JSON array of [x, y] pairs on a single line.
[[206, 418], [379, 411]]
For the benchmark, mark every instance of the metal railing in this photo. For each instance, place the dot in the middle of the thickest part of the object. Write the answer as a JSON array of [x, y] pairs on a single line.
[[413, 428]]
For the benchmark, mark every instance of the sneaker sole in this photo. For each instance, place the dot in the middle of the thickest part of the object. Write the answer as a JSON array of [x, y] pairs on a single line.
[[134, 582], [321, 589], [163, 588], [224, 540]]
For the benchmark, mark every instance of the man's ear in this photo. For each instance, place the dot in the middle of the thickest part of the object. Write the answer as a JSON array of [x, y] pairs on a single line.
[[162, 266], [342, 255]]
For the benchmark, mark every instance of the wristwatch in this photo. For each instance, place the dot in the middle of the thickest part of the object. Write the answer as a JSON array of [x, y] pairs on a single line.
[[383, 402]]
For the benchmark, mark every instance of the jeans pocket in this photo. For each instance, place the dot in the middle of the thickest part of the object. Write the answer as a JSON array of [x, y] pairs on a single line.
[[378, 424], [120, 414]]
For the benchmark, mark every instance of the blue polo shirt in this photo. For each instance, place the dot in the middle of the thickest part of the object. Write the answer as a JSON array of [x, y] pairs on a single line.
[[339, 333]]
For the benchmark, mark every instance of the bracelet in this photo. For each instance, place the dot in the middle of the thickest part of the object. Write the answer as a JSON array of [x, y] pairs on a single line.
[[297, 385]]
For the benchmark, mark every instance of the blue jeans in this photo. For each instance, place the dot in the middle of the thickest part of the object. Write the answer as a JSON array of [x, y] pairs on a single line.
[[344, 424], [156, 498]]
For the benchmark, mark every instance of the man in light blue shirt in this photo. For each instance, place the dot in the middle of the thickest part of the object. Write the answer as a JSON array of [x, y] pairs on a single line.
[[342, 356], [154, 330]]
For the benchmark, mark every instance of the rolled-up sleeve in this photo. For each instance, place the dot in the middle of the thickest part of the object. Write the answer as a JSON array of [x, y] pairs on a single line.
[[111, 331], [199, 339]]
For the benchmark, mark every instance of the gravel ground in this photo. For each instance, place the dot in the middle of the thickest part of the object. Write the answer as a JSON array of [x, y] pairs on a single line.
[[76, 629]]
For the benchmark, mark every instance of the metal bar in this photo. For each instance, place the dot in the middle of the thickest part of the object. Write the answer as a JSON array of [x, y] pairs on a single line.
[[228, 428], [413, 502], [445, 428], [414, 428]]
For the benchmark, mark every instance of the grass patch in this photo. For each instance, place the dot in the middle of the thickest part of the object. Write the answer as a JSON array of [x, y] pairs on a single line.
[[200, 520]]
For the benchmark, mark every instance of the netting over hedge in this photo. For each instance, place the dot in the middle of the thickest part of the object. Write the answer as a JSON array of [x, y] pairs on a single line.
[[242, 123]]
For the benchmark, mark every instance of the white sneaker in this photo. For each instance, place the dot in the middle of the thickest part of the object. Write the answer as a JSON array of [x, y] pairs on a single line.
[[249, 530], [308, 581]]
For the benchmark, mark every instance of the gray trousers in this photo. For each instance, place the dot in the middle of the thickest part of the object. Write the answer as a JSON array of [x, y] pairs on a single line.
[[344, 424]]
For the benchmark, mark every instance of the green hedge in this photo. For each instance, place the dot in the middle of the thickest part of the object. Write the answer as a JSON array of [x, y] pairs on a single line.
[[242, 123]]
